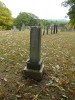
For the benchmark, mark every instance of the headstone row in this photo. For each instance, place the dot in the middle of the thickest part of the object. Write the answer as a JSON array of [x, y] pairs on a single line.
[[53, 29]]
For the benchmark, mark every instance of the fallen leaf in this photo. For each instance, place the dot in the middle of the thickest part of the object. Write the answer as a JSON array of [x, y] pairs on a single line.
[[29, 96], [35, 97], [18, 96], [64, 96], [5, 79]]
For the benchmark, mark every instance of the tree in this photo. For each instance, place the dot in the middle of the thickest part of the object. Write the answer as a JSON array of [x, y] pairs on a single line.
[[6, 20], [45, 23], [28, 19], [71, 12], [2, 4], [34, 20]]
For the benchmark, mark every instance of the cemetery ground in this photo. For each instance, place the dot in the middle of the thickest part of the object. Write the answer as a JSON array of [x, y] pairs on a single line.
[[58, 55]]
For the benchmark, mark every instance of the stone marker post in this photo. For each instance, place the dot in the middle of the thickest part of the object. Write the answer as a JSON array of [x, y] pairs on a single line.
[[34, 68], [55, 28], [44, 31], [14, 28], [47, 29], [23, 27]]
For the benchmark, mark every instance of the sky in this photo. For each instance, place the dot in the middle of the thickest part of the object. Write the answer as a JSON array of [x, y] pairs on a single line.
[[44, 9]]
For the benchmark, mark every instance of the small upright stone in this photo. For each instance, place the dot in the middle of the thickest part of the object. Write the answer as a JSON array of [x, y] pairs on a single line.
[[14, 28], [55, 28], [34, 68], [23, 27], [44, 30], [47, 30]]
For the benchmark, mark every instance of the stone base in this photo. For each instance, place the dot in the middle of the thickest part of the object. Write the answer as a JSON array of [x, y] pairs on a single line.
[[34, 74], [34, 65]]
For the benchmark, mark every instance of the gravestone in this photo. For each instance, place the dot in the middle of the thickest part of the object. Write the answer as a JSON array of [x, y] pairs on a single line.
[[14, 28], [34, 68], [47, 30], [19, 27], [55, 29], [44, 31], [23, 27], [51, 29]]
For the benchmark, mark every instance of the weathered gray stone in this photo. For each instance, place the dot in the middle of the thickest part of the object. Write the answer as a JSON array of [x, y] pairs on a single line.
[[44, 31], [14, 28], [34, 65], [34, 74], [55, 28], [23, 27], [47, 30], [34, 68], [35, 44]]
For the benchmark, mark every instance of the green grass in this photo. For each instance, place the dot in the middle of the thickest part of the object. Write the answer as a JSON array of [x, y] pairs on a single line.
[[58, 54]]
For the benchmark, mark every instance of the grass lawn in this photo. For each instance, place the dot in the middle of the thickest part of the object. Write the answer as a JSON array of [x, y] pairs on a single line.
[[58, 54]]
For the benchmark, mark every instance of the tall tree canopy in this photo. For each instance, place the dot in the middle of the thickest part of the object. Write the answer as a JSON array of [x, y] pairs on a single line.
[[2, 4], [6, 20], [71, 12], [26, 18]]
